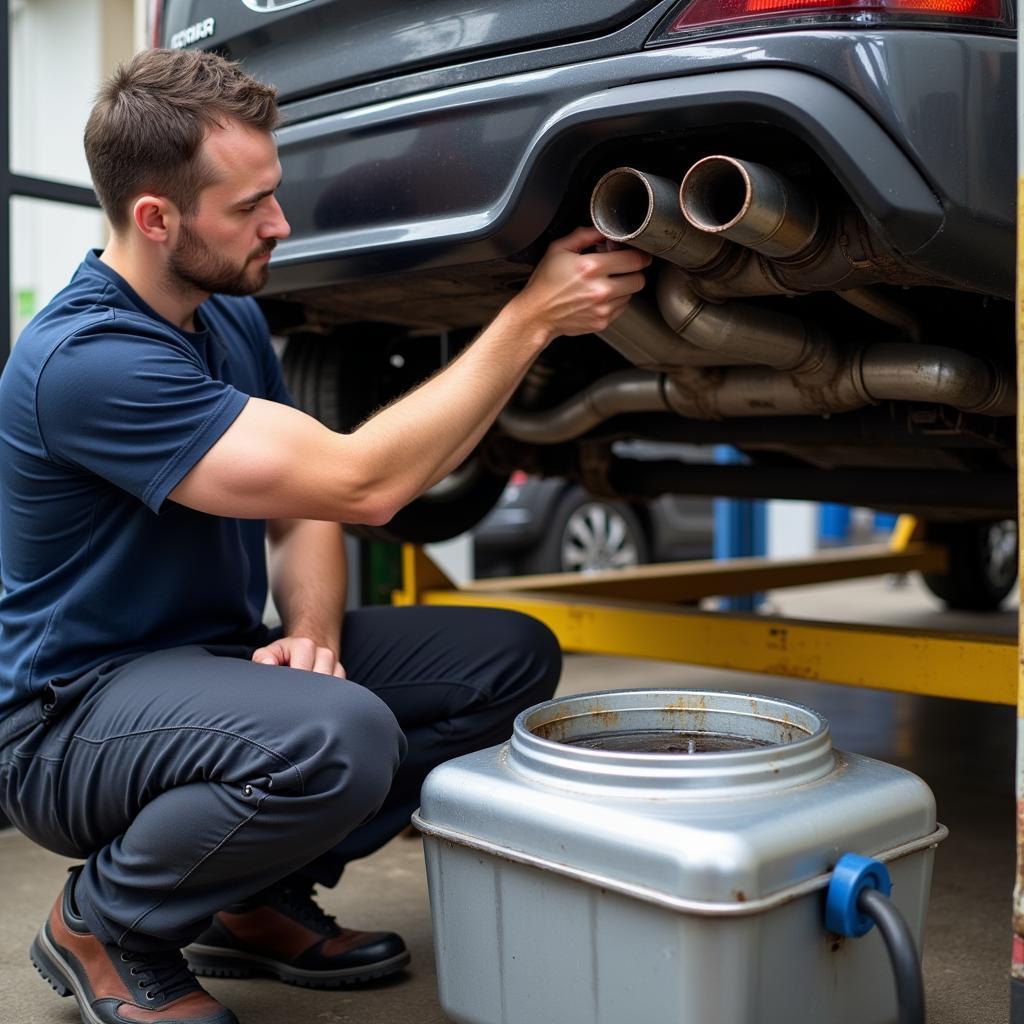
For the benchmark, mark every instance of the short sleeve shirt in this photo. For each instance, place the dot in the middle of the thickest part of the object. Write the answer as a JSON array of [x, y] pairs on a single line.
[[105, 407]]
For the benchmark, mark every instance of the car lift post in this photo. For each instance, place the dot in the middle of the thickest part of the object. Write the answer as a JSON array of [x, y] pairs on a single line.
[[1017, 959]]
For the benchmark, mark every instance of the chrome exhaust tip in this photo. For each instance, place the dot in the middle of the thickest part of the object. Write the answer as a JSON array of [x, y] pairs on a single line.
[[642, 210], [623, 203], [749, 204]]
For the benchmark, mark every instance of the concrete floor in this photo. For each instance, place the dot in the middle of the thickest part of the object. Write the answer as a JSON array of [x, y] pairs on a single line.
[[964, 750]]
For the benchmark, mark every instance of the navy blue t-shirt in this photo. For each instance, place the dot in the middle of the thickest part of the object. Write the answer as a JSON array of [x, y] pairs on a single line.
[[105, 406]]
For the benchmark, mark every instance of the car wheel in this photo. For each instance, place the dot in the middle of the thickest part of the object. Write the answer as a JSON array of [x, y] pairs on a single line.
[[982, 564], [587, 534], [343, 381]]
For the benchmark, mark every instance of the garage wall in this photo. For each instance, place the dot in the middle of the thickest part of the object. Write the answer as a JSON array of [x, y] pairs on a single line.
[[60, 52]]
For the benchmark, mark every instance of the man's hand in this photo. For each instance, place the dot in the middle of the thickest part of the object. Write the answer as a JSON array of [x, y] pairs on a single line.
[[573, 291], [300, 652]]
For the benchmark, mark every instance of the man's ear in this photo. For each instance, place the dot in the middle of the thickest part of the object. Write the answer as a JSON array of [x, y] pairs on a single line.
[[155, 217]]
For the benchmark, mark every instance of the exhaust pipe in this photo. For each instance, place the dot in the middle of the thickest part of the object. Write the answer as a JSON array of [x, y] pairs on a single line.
[[742, 230], [932, 373], [642, 210], [826, 377], [751, 205], [806, 373], [622, 392], [642, 336], [735, 329], [798, 249]]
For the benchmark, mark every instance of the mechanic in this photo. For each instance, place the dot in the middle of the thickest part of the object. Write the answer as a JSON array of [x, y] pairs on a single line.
[[208, 771]]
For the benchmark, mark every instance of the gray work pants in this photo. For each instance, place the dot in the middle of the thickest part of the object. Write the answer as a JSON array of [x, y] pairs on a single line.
[[190, 778]]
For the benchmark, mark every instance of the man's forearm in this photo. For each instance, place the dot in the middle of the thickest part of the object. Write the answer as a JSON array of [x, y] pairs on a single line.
[[432, 429], [309, 579]]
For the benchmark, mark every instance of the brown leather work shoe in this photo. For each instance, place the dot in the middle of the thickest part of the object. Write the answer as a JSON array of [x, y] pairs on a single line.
[[283, 933], [115, 985]]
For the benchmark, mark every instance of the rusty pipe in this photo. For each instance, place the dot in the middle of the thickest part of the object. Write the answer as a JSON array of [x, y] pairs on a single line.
[[621, 392], [642, 336], [878, 372], [750, 204], [642, 210], [793, 247], [868, 375], [761, 391], [698, 393], [805, 374], [933, 373], [736, 329]]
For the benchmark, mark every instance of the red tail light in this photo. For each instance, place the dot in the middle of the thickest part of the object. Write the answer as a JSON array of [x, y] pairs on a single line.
[[699, 17], [156, 10]]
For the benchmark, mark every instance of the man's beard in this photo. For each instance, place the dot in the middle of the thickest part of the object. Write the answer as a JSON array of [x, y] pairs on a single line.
[[195, 264]]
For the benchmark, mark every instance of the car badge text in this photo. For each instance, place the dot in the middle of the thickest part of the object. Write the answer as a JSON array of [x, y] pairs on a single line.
[[187, 36]]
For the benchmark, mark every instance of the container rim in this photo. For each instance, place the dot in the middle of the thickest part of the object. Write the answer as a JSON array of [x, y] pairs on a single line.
[[804, 754]]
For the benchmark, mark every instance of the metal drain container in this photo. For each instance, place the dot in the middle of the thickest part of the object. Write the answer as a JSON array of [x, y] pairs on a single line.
[[662, 856]]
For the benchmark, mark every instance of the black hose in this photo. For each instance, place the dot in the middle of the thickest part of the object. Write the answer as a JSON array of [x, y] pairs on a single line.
[[902, 952]]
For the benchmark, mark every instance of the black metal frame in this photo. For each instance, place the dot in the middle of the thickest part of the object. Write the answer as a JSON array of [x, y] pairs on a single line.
[[12, 184]]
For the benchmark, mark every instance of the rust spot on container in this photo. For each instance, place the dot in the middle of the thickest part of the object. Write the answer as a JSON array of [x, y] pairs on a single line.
[[556, 728], [606, 719], [679, 704]]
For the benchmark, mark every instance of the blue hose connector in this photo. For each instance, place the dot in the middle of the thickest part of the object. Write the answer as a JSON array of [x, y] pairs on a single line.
[[850, 877]]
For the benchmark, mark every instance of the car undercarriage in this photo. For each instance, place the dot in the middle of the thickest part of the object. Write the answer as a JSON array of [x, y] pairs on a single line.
[[775, 320]]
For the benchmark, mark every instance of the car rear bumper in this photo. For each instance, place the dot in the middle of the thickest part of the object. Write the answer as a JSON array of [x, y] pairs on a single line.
[[915, 125]]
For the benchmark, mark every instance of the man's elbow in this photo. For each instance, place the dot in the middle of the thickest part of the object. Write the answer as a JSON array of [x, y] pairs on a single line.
[[369, 498], [376, 507], [377, 517]]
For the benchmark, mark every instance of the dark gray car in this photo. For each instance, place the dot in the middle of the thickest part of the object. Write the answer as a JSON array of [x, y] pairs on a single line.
[[828, 186]]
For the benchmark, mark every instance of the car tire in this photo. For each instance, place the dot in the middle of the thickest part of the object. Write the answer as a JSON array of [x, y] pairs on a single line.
[[982, 564], [587, 534], [343, 381]]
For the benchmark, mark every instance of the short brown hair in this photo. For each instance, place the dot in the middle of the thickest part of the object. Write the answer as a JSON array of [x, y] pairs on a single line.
[[151, 117]]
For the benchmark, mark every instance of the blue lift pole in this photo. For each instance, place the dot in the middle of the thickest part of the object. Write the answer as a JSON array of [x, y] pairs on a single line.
[[740, 530], [834, 524]]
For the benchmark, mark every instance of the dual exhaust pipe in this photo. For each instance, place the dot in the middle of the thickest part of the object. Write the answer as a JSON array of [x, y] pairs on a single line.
[[741, 229], [721, 199]]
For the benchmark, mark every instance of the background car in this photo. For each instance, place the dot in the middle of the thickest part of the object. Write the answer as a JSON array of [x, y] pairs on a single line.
[[828, 190], [543, 526]]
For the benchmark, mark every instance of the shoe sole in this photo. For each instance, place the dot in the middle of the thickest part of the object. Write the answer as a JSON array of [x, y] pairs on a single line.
[[211, 962], [58, 974]]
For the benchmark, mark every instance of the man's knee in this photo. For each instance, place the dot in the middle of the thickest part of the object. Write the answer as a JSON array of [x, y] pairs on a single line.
[[530, 654], [351, 749]]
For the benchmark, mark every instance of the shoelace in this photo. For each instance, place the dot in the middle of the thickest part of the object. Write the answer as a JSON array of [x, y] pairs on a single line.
[[300, 901], [161, 976]]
